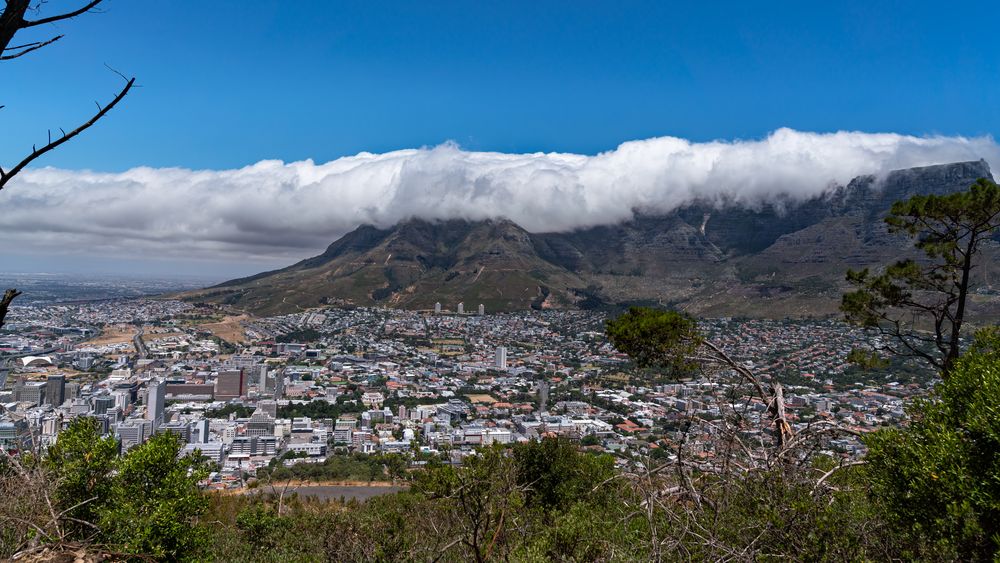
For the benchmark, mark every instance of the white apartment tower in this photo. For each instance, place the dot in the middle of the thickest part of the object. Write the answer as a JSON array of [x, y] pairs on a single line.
[[482, 309], [437, 308], [461, 308], [155, 390], [501, 358]]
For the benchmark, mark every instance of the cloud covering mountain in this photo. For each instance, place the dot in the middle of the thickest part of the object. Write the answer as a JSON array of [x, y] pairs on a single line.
[[274, 211]]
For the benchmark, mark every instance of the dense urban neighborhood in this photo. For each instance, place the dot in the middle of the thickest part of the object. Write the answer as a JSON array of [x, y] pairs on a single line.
[[291, 394]]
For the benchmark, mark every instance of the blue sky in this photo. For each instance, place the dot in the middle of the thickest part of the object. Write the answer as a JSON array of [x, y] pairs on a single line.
[[228, 83]]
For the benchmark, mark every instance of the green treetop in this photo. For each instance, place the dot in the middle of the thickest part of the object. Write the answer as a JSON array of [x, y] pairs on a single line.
[[922, 305]]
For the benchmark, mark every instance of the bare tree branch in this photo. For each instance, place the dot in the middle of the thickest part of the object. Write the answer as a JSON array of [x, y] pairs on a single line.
[[65, 16], [834, 470], [8, 297], [29, 48], [8, 175]]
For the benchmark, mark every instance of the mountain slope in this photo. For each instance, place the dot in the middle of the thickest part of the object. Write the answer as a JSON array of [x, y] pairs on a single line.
[[781, 259], [412, 265]]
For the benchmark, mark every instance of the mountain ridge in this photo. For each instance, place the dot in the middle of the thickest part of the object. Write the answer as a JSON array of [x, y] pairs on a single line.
[[781, 258]]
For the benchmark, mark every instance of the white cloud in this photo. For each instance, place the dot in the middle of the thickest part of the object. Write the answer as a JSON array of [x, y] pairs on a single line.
[[272, 211]]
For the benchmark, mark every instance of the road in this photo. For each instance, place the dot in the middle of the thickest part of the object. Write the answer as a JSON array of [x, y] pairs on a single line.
[[140, 346]]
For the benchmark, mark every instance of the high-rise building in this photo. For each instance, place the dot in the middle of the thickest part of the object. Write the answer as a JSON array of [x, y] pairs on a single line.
[[132, 433], [482, 309], [30, 392], [461, 308], [501, 358], [55, 389], [103, 403], [156, 389], [437, 308], [72, 390], [201, 427], [84, 362], [130, 388], [121, 399], [181, 429], [230, 385]]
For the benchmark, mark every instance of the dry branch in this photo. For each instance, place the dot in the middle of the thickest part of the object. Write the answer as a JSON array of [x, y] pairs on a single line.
[[8, 297], [6, 176]]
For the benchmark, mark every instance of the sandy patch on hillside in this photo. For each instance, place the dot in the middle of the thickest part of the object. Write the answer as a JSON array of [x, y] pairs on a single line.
[[229, 329], [114, 334]]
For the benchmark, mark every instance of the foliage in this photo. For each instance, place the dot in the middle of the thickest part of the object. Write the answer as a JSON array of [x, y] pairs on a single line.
[[867, 360], [241, 411], [940, 476], [910, 295], [319, 409], [300, 335], [493, 507], [145, 502], [155, 502], [655, 338], [555, 475], [80, 463]]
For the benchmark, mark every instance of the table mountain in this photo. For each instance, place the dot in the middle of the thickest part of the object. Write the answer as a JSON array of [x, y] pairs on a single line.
[[784, 258]]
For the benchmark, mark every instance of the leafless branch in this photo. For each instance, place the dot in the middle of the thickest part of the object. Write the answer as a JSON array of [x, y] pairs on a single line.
[[8, 297], [826, 475], [8, 175], [90, 5], [28, 48]]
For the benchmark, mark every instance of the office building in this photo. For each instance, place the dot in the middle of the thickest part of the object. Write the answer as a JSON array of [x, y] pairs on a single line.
[[30, 392], [201, 428], [121, 399], [72, 391], [190, 391], [132, 433], [246, 446], [179, 428], [8, 436], [156, 391], [269, 407], [260, 424], [55, 389], [103, 403], [343, 429], [230, 384]]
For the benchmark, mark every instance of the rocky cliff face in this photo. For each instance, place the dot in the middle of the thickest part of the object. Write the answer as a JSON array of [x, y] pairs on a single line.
[[785, 258]]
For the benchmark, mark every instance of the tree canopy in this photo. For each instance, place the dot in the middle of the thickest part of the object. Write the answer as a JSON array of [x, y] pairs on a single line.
[[655, 338], [939, 476], [922, 305]]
